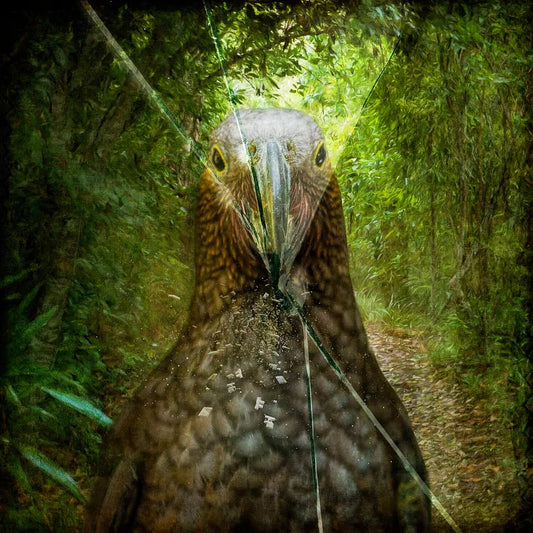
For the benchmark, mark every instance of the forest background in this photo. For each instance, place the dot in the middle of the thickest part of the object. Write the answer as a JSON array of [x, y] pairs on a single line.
[[98, 192]]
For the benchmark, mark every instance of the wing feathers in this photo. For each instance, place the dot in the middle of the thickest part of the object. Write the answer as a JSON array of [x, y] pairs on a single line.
[[114, 501]]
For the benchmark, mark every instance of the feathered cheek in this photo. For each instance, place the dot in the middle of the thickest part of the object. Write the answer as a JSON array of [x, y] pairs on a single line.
[[239, 241], [301, 207]]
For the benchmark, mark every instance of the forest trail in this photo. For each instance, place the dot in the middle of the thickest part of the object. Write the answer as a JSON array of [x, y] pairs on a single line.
[[469, 456]]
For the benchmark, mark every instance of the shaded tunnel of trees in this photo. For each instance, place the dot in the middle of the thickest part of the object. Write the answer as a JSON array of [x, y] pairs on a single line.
[[98, 193]]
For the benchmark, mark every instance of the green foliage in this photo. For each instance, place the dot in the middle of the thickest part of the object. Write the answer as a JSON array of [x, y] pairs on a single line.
[[432, 182]]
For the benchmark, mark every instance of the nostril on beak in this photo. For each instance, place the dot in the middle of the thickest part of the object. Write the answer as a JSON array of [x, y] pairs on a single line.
[[290, 151]]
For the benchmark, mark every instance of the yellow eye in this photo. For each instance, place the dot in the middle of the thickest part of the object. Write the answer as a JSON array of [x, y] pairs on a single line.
[[218, 160], [320, 155]]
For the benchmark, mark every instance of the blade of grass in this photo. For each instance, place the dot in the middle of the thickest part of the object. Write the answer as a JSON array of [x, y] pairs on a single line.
[[81, 405], [44, 463]]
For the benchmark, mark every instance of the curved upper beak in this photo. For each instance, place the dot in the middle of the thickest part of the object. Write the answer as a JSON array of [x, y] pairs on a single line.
[[278, 232], [274, 182]]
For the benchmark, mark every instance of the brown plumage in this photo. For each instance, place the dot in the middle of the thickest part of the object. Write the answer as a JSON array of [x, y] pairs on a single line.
[[218, 437]]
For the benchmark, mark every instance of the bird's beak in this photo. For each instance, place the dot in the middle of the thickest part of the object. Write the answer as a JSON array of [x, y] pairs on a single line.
[[273, 176]]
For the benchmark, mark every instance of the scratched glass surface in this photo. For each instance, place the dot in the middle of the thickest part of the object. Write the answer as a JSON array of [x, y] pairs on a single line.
[[226, 183]]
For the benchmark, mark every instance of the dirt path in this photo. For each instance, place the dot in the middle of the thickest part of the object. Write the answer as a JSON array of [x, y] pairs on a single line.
[[468, 454]]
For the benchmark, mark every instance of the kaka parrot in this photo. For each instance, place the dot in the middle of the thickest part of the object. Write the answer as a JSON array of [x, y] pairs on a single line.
[[245, 425]]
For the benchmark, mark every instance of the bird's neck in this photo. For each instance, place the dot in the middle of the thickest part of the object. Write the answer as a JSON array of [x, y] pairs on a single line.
[[330, 304], [324, 255], [225, 262], [227, 267]]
